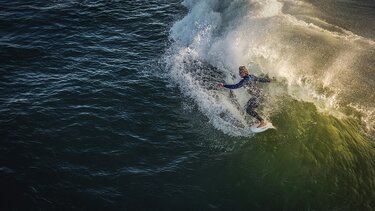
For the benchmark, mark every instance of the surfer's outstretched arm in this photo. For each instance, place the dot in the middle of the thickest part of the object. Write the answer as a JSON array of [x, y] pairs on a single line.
[[235, 86], [263, 80]]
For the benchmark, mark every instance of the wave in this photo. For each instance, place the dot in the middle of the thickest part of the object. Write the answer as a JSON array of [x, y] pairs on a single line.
[[312, 60]]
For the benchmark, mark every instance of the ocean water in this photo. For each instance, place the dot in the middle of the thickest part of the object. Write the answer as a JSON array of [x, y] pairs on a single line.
[[114, 105]]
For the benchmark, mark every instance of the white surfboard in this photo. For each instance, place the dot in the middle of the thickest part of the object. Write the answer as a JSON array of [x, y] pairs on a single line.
[[255, 129]]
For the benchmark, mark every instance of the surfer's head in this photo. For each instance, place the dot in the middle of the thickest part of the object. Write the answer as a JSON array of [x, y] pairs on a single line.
[[242, 70]]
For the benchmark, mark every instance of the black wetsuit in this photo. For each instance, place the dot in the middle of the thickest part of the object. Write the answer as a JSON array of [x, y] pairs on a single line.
[[249, 83]]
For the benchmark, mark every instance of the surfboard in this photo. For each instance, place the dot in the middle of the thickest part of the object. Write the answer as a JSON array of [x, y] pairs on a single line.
[[254, 128]]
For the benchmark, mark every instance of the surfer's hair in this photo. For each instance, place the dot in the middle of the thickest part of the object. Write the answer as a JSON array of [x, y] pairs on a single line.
[[243, 69]]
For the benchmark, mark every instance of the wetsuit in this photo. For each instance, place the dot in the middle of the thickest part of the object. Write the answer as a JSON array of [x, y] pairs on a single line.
[[249, 83]]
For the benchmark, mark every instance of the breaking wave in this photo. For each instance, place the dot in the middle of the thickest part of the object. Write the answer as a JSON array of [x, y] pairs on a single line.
[[311, 59]]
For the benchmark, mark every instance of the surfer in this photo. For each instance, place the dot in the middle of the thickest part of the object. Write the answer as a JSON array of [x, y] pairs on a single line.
[[249, 81]]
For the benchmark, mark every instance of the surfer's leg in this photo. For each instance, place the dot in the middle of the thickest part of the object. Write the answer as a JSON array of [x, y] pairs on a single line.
[[251, 105]]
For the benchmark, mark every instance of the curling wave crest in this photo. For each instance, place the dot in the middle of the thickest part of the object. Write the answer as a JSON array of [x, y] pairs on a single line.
[[312, 60]]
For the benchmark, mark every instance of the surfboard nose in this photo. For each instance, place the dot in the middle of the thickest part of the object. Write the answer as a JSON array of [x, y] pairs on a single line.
[[255, 129]]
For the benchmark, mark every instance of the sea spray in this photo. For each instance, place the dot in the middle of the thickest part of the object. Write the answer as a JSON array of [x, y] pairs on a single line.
[[311, 59]]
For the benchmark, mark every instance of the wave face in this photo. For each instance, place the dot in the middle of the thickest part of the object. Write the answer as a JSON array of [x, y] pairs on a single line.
[[312, 59]]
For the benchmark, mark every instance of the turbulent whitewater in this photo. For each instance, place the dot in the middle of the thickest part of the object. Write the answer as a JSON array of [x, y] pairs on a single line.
[[312, 58], [114, 105]]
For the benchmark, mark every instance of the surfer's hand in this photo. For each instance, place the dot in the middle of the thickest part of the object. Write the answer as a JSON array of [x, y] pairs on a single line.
[[220, 85], [268, 79]]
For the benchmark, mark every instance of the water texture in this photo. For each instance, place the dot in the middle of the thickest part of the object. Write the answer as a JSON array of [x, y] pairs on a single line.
[[114, 105]]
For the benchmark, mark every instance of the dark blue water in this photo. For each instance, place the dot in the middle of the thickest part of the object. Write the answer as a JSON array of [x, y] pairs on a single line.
[[86, 120], [90, 120]]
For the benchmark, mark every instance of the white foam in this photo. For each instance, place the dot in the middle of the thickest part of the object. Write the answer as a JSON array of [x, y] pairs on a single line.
[[230, 33]]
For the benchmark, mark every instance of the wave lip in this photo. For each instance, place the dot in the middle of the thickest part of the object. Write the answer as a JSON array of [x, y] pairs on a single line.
[[315, 59]]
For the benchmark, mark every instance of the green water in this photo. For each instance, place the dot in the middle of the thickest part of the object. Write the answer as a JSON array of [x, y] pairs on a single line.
[[313, 161], [92, 119]]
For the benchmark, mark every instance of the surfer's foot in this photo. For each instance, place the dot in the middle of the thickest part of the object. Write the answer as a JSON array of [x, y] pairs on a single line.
[[262, 124]]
